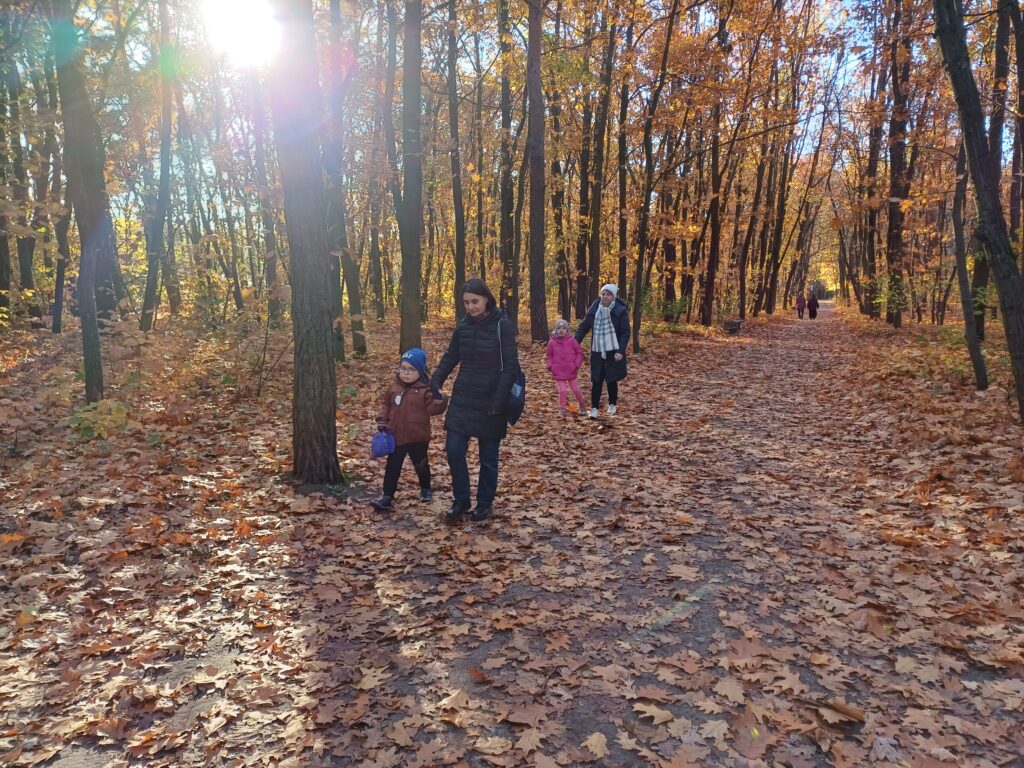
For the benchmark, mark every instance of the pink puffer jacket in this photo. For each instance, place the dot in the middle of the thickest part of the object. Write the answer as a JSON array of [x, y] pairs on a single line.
[[565, 356]]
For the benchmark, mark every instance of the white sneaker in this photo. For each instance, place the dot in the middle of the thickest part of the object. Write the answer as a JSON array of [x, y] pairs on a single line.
[[611, 410], [593, 413]]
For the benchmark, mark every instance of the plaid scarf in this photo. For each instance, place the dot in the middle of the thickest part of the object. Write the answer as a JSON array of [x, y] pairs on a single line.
[[604, 339]]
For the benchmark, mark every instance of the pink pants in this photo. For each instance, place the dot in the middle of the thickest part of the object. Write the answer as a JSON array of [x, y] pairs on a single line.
[[563, 387]]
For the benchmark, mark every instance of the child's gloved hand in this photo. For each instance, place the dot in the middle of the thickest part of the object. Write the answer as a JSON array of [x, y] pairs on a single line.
[[382, 427]]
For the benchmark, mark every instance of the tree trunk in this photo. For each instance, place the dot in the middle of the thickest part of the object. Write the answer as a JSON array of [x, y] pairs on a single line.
[[412, 187], [84, 164], [596, 194], [960, 246], [155, 225], [5, 243], [991, 231], [267, 217], [295, 102], [481, 240], [755, 214], [1017, 183], [899, 181], [60, 276], [538, 192], [871, 297], [456, 162], [645, 209], [623, 164], [558, 191], [997, 118], [337, 208], [583, 212], [506, 247], [26, 243], [715, 214]]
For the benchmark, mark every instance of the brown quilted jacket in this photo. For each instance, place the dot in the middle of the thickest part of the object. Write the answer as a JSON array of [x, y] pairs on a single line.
[[406, 410]]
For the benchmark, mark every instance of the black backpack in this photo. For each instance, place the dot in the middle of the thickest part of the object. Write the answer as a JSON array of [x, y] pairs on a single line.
[[516, 395]]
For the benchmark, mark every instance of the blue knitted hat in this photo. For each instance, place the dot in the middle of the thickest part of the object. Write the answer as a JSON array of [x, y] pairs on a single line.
[[417, 358]]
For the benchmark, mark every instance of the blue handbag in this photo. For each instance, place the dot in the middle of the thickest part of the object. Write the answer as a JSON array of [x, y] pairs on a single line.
[[382, 444], [517, 394]]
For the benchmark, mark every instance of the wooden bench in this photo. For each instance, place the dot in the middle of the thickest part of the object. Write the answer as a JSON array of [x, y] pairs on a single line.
[[733, 326]]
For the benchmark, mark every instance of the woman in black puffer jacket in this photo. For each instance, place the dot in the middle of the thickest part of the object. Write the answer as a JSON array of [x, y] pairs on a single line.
[[483, 345]]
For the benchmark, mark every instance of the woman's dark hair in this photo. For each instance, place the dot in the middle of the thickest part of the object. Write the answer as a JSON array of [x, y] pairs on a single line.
[[478, 287]]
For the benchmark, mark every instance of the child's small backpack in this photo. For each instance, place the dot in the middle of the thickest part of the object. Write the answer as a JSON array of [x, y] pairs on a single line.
[[382, 444]]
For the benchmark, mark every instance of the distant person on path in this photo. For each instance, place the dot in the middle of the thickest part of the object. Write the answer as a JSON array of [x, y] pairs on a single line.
[[405, 411], [608, 322], [483, 346], [812, 307], [801, 303], [565, 356]]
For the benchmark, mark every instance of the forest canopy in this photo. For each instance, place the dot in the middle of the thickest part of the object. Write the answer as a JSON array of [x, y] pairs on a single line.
[[713, 159]]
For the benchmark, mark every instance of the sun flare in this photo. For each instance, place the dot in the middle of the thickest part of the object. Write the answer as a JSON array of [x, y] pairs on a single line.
[[245, 31]]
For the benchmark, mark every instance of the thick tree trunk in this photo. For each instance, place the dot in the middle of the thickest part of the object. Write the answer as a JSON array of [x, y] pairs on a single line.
[[87, 189], [295, 101], [538, 192], [991, 231]]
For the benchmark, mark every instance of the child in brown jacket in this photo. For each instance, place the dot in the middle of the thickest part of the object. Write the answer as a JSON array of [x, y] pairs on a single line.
[[406, 408]]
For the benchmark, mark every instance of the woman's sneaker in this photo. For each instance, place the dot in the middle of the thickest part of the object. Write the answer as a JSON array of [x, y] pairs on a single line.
[[426, 495], [593, 413], [481, 513], [457, 512], [383, 504], [612, 409]]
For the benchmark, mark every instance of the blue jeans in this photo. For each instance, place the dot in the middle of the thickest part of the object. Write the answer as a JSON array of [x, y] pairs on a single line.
[[457, 445]]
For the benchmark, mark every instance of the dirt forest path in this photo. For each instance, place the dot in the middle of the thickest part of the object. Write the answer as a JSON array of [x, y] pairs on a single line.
[[745, 566]]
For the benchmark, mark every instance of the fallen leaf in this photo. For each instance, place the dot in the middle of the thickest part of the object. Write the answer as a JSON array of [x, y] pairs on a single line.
[[597, 743], [656, 714]]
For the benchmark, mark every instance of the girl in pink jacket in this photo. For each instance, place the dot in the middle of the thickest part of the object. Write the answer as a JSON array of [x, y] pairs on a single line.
[[565, 355]]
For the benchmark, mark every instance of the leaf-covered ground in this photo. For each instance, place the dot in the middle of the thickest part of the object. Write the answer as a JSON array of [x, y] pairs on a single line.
[[801, 546]]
